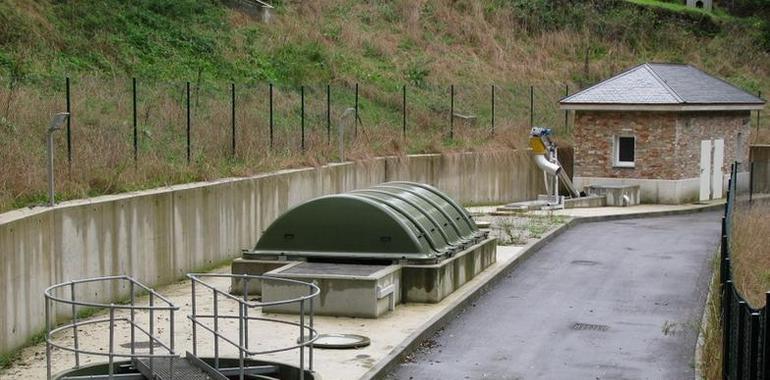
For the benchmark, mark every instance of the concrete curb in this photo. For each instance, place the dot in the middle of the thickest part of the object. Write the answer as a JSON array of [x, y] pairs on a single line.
[[396, 355]]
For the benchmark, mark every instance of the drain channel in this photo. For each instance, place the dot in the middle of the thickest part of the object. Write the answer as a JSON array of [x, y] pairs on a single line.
[[585, 262], [589, 327]]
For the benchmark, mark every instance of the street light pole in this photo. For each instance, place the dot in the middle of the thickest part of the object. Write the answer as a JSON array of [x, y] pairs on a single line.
[[56, 124]]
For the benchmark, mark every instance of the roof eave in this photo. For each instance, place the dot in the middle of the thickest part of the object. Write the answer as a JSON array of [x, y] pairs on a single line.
[[661, 107]]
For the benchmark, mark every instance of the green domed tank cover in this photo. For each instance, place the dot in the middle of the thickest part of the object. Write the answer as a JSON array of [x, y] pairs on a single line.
[[395, 220]]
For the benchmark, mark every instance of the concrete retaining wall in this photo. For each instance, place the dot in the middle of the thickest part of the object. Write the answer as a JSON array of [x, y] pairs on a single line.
[[159, 235]]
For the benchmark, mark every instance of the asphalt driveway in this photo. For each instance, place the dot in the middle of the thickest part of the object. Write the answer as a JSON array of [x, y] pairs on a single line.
[[607, 300]]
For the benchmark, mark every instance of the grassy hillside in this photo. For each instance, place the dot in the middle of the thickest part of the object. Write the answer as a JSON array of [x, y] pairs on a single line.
[[424, 44]]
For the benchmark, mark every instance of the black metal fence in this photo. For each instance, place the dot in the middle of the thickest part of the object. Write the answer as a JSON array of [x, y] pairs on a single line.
[[277, 117], [746, 330]]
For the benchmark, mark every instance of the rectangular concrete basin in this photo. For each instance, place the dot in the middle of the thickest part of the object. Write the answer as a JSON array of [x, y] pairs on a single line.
[[351, 290]]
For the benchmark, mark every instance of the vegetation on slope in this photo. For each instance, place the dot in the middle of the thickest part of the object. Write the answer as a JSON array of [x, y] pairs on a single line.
[[750, 256], [382, 45]]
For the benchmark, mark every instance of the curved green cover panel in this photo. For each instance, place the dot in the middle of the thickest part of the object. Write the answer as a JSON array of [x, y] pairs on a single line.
[[344, 223], [394, 220]]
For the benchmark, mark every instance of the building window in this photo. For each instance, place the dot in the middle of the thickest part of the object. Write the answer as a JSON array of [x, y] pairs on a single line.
[[625, 147], [699, 4]]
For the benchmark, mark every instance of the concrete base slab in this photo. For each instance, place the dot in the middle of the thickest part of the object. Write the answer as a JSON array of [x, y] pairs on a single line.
[[433, 283], [585, 202], [544, 204], [350, 290], [616, 195], [660, 191]]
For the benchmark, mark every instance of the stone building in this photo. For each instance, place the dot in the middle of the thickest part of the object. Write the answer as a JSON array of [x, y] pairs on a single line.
[[671, 129]]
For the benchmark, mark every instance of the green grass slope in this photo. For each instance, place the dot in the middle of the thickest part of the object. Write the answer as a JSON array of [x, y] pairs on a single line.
[[381, 44]]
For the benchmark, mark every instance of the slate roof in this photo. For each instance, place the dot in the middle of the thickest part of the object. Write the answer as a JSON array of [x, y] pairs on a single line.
[[659, 84]]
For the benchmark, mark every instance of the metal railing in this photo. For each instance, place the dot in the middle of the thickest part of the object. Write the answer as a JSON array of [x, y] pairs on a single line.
[[746, 330], [54, 298], [307, 333]]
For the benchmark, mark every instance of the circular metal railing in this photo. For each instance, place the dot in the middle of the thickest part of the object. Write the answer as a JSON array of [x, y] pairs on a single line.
[[54, 301], [307, 333]]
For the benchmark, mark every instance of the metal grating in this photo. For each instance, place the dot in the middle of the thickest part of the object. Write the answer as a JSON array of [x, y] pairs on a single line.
[[580, 326], [167, 369]]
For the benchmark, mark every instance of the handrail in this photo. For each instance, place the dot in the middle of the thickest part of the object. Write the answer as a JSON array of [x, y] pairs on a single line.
[[307, 333], [51, 299]]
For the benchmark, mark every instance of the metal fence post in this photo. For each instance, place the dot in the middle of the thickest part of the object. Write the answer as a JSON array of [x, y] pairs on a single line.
[[136, 134], [271, 115], [531, 106], [727, 294], [355, 122], [759, 112], [751, 181], [232, 119], [724, 260], [566, 112], [69, 126], [189, 129], [302, 116], [754, 346], [741, 341], [403, 113], [328, 114], [766, 339], [493, 110], [451, 111]]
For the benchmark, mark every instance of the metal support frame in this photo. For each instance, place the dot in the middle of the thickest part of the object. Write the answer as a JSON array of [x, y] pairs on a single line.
[[147, 362]]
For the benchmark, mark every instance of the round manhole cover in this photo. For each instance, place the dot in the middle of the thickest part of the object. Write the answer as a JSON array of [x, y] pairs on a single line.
[[340, 341]]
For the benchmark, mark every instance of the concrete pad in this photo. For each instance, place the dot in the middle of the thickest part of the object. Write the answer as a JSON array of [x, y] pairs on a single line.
[[386, 333], [616, 195], [349, 290]]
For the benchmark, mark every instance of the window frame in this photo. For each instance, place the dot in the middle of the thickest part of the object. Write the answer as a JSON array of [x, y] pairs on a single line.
[[616, 152]]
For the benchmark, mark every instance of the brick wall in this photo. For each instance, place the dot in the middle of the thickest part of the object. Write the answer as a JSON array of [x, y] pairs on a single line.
[[667, 143]]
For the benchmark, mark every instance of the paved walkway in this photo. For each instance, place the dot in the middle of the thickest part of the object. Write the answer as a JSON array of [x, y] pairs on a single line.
[[607, 300]]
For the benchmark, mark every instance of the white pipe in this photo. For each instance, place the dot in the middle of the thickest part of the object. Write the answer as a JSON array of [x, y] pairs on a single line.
[[547, 166]]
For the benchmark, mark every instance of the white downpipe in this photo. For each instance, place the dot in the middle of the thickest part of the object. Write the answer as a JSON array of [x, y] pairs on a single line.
[[547, 166]]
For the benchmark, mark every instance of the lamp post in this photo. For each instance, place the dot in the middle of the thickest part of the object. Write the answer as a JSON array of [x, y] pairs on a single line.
[[56, 124]]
